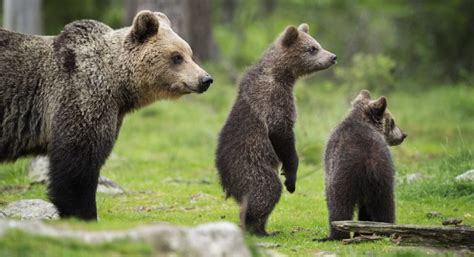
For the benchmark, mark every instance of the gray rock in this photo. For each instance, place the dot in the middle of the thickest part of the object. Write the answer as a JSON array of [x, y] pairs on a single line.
[[107, 186], [325, 254], [413, 178], [271, 253], [38, 170], [467, 176], [38, 173], [31, 209], [208, 240], [267, 245], [434, 214], [229, 237]]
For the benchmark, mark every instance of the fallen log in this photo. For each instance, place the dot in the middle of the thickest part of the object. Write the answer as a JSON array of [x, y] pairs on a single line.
[[452, 236], [362, 238]]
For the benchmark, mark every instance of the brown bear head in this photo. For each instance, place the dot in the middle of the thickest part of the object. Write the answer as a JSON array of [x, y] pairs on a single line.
[[301, 52], [375, 112], [163, 64]]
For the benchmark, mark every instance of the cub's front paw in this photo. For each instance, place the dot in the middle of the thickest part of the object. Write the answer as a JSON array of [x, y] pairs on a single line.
[[290, 184]]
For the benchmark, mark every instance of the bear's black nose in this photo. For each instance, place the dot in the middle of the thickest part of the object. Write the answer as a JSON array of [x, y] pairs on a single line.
[[205, 82], [334, 58], [404, 135]]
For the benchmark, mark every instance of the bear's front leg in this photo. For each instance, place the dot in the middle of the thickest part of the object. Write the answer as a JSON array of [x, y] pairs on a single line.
[[77, 152], [283, 141]]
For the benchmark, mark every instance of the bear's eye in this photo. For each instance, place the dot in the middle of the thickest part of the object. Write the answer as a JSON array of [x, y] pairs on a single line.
[[312, 50], [177, 59], [392, 124]]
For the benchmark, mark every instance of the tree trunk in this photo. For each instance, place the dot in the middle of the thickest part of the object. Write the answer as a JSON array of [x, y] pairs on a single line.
[[191, 19], [228, 10], [130, 7], [22, 16], [453, 236], [268, 6], [200, 29]]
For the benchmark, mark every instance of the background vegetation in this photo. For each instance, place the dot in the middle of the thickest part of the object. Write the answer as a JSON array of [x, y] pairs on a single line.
[[418, 53]]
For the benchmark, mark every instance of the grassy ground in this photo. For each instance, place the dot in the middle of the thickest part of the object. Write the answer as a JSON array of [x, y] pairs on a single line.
[[165, 158]]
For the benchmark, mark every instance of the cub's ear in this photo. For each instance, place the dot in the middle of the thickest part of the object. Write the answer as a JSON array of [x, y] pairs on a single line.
[[145, 25], [304, 27], [289, 36], [378, 106], [363, 95], [163, 18]]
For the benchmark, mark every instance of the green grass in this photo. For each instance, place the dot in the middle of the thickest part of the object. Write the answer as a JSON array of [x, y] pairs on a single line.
[[165, 158]]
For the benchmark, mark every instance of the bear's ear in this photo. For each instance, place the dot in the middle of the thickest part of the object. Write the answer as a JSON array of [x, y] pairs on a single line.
[[289, 36], [304, 27], [163, 18], [145, 25], [378, 106], [363, 95]]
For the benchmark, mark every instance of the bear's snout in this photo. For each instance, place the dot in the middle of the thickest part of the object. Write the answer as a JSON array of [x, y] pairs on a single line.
[[334, 58], [205, 82]]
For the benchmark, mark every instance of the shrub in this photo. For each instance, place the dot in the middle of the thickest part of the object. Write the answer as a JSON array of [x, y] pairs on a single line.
[[372, 72]]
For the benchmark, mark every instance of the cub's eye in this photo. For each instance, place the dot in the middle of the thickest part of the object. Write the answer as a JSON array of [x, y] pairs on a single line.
[[177, 59], [312, 50], [392, 124]]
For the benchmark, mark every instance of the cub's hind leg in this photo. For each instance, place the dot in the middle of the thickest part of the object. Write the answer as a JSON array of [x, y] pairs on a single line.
[[264, 194]]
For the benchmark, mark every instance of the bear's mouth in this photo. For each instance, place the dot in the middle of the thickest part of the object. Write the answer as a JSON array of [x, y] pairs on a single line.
[[190, 89], [395, 142]]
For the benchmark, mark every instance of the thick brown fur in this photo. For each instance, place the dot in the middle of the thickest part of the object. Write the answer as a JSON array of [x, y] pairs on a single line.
[[66, 96], [258, 134], [359, 168]]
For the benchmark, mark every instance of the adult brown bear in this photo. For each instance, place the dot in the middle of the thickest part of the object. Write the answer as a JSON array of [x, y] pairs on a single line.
[[66, 96]]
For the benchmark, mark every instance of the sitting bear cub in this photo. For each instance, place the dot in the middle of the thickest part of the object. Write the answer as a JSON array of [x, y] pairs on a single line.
[[359, 169]]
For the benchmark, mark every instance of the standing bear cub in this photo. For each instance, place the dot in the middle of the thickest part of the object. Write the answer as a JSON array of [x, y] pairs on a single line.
[[359, 169], [66, 96], [258, 134]]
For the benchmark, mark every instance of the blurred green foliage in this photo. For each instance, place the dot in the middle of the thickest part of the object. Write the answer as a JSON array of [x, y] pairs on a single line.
[[56, 14], [372, 72], [428, 40]]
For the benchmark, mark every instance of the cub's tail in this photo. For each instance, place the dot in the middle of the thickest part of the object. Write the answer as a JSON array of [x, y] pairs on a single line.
[[243, 211]]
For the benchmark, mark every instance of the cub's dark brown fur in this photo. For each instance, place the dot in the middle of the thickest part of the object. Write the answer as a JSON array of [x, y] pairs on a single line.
[[258, 134], [359, 169]]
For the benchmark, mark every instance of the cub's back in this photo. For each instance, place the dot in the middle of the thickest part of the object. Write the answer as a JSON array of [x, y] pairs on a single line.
[[354, 146]]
